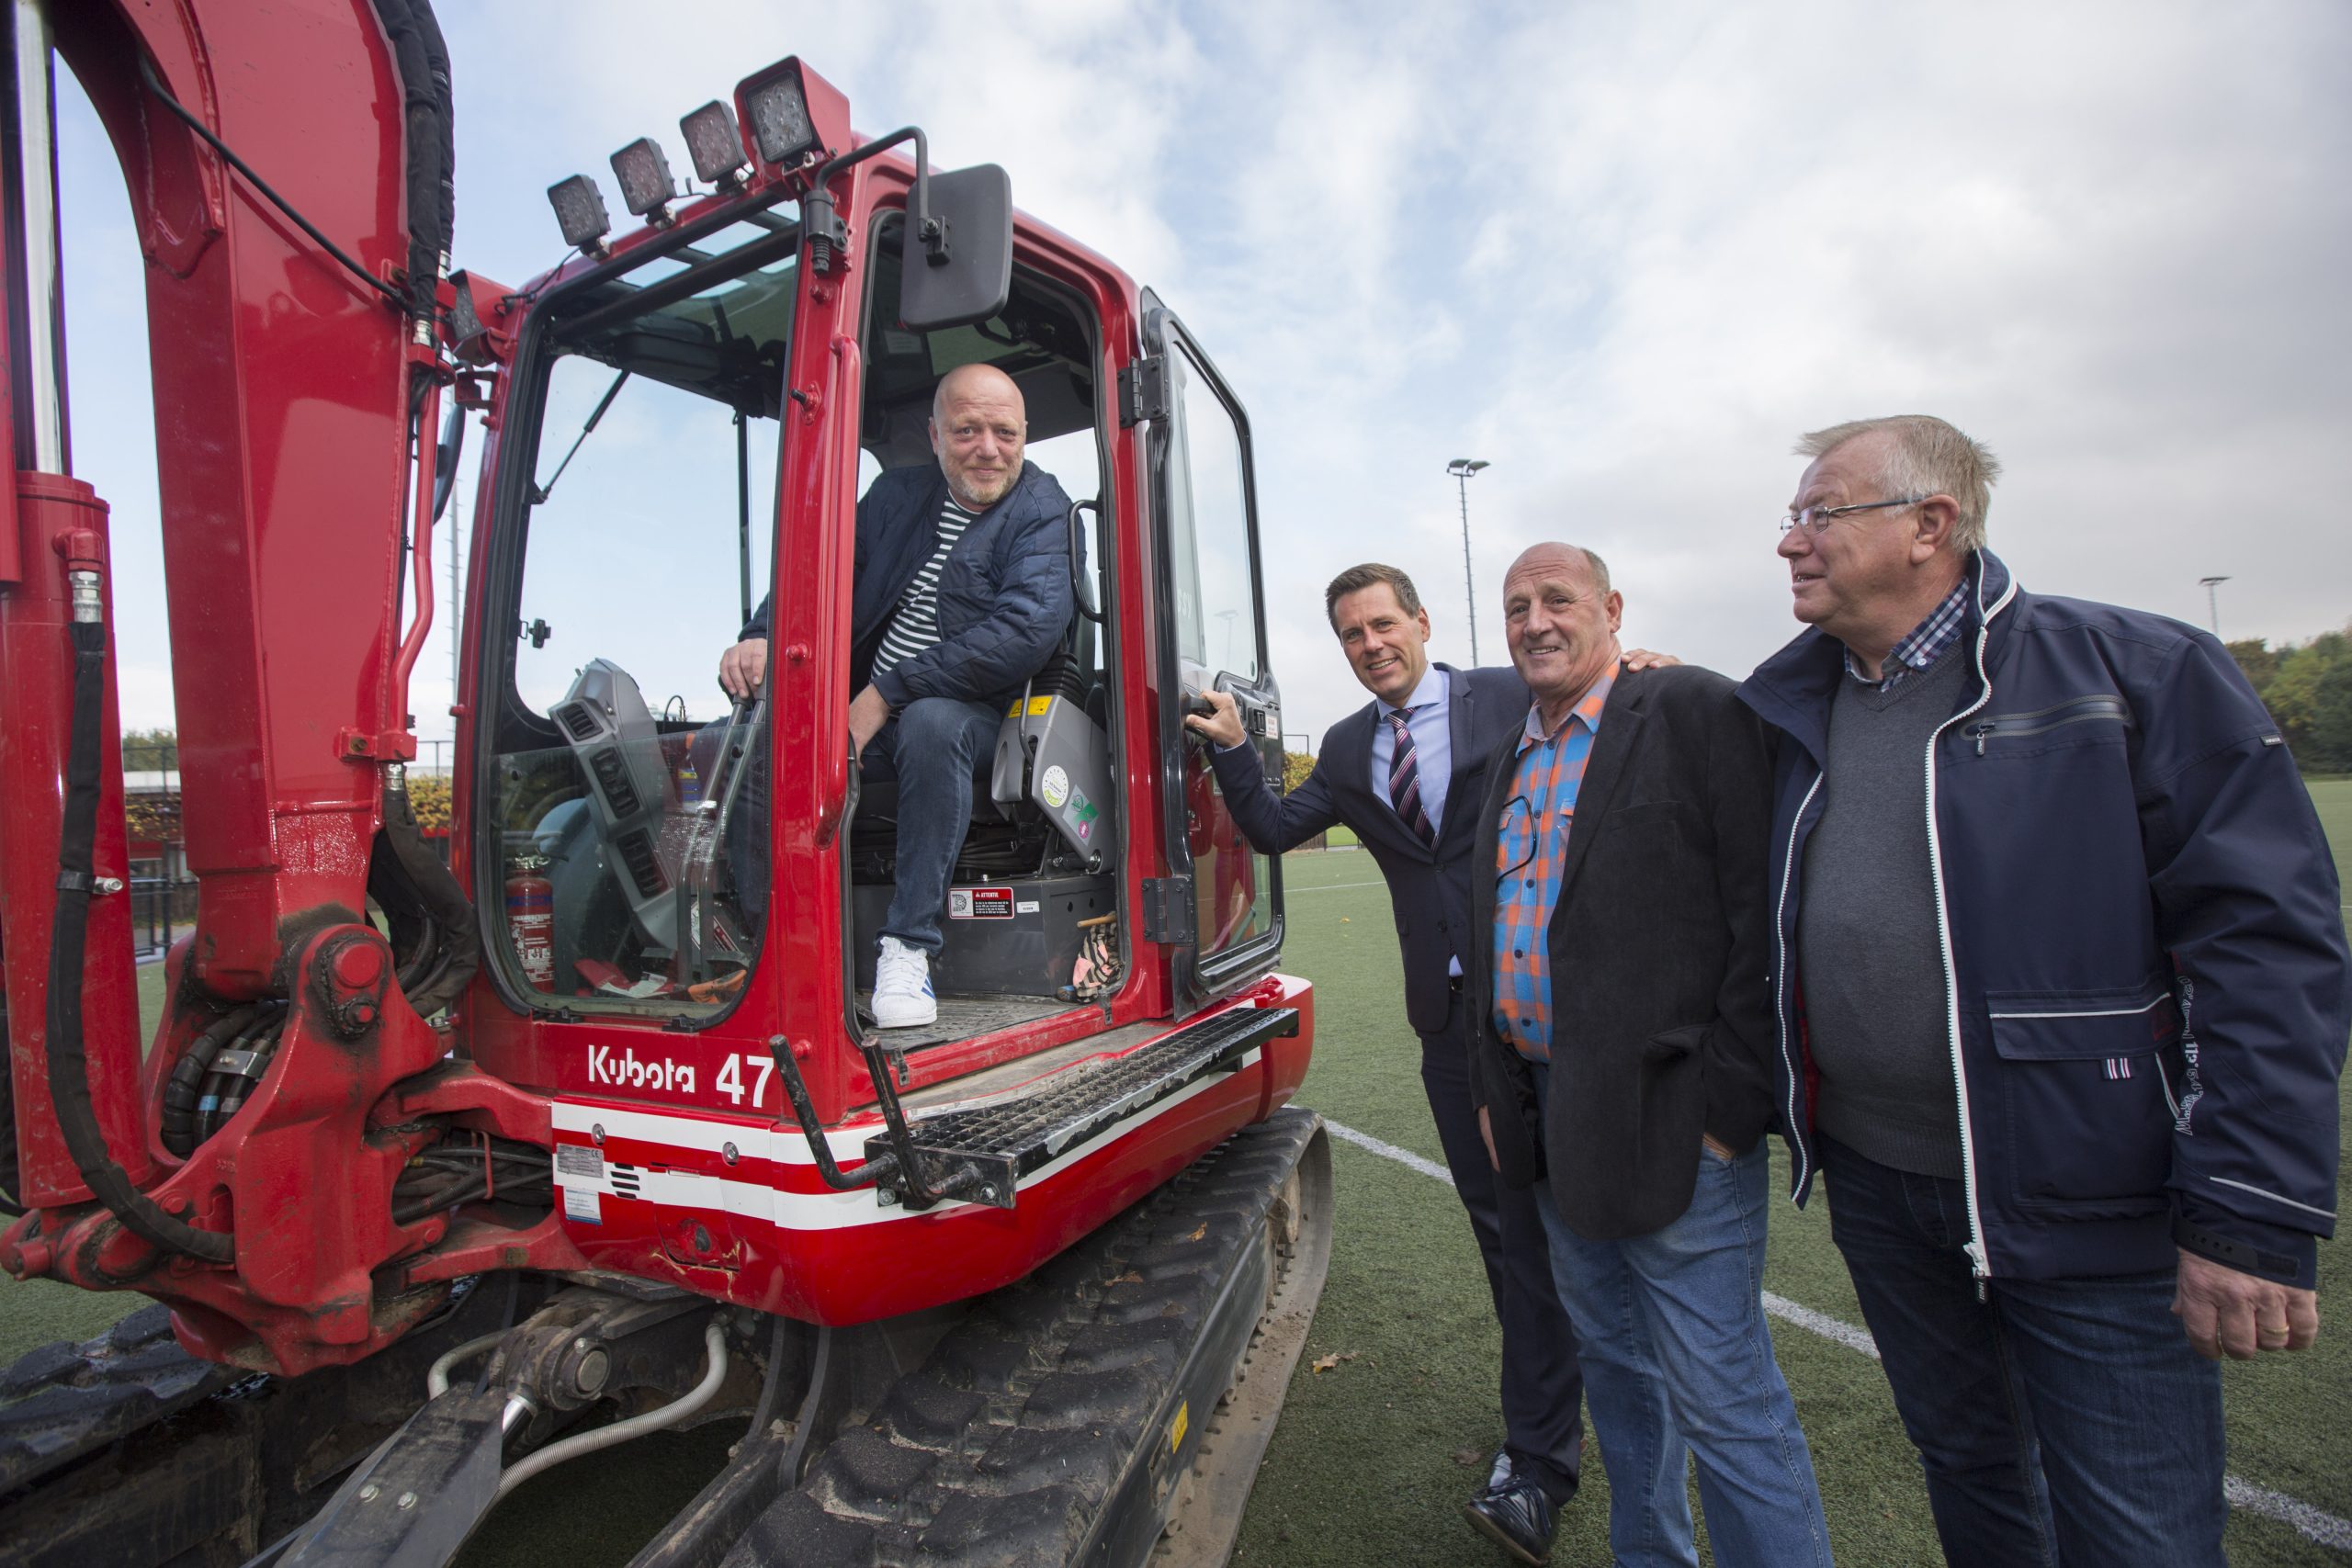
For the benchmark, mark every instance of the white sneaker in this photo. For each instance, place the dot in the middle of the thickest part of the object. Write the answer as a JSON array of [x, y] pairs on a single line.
[[902, 998]]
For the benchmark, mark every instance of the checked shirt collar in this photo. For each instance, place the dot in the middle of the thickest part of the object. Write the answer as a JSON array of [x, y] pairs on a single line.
[[1587, 708], [1927, 642]]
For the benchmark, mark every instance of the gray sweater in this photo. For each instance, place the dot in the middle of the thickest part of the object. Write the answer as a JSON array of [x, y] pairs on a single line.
[[1868, 951]]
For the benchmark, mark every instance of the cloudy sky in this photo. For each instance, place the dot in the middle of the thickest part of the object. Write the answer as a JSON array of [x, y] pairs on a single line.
[[1625, 253]]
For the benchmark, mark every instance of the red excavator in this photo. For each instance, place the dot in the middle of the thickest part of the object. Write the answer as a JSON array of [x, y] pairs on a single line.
[[446, 1172]]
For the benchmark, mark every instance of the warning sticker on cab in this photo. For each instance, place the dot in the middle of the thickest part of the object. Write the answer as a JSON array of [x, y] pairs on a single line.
[[584, 1204], [979, 903]]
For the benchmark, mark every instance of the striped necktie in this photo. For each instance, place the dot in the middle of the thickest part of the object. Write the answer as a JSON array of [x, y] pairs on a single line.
[[1404, 777]]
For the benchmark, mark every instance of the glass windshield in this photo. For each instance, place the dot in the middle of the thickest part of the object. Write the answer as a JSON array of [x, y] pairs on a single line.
[[621, 800]]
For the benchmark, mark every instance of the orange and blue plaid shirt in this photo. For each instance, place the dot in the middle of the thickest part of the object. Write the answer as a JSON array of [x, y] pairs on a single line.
[[1530, 850]]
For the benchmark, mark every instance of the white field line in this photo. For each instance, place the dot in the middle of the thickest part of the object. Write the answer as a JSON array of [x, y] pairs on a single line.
[[1334, 887], [1389, 1151], [2312, 1524]]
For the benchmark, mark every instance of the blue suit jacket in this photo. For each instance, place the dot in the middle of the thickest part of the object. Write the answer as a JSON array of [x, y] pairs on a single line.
[[1428, 884]]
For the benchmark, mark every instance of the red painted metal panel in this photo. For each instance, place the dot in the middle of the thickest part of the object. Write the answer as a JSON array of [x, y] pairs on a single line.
[[285, 402], [281, 438], [36, 674], [782, 1241]]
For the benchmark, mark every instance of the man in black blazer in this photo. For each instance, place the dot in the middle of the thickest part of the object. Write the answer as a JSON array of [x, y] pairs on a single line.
[[1621, 1024], [1458, 719]]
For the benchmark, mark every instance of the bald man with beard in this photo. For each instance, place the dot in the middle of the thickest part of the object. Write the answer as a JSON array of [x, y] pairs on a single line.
[[961, 593]]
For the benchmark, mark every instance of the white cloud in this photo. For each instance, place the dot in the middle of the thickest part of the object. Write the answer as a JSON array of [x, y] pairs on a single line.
[[1626, 253]]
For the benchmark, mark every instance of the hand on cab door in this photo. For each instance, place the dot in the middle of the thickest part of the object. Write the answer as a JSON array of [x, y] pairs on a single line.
[[1222, 728]]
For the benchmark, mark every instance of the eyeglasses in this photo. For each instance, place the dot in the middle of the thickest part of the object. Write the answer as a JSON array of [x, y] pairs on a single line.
[[1817, 518]]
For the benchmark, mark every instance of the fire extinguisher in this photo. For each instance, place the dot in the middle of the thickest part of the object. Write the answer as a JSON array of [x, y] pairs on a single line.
[[530, 918]]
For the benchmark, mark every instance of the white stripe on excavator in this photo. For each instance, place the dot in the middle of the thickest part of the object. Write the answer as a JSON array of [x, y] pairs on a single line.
[[798, 1210], [2312, 1524]]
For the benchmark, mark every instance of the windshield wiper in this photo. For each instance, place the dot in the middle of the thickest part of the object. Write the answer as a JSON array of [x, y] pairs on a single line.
[[539, 493]]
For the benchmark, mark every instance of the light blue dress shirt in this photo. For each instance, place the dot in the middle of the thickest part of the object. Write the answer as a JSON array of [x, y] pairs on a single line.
[[1432, 744], [1432, 747]]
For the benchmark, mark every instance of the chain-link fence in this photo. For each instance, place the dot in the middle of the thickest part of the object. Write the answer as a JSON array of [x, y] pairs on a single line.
[[163, 892]]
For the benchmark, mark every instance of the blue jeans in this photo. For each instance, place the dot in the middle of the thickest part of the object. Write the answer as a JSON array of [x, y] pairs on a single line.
[[932, 746], [1677, 1361], [2059, 1421]]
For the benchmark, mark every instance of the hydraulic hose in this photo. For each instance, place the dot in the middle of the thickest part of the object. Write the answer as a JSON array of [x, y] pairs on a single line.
[[714, 1339], [186, 1087], [436, 1377], [453, 918], [69, 1065], [421, 61]]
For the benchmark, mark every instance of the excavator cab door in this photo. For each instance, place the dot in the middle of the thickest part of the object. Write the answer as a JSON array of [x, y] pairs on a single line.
[[1220, 907]]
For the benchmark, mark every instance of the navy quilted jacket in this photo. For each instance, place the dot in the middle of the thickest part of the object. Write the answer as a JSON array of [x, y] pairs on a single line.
[[1004, 599]]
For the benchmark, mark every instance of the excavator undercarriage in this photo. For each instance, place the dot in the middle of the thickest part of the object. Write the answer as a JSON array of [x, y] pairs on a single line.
[[1110, 1408]]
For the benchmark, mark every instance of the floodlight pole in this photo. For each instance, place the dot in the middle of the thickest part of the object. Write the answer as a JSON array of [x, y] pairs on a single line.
[[1462, 468], [2212, 599]]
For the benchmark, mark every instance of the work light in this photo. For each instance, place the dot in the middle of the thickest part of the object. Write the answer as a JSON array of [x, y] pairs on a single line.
[[579, 213], [715, 143], [779, 110], [647, 188]]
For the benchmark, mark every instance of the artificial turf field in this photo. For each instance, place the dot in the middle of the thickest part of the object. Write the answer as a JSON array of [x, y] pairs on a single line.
[[1373, 1458]]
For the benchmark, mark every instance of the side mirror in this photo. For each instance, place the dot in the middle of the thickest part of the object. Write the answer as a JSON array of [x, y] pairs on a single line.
[[966, 273], [445, 459]]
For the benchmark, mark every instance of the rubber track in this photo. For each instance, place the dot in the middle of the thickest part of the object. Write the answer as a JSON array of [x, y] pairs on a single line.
[[1004, 1445], [66, 1399]]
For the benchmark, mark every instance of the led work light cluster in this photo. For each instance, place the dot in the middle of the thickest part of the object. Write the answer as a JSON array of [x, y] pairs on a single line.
[[777, 103]]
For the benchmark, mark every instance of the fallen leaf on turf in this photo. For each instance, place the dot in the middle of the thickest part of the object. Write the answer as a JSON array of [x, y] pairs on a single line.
[[1469, 1459], [1325, 1363], [1343, 919]]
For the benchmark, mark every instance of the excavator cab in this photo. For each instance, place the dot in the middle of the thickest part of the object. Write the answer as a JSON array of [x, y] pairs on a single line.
[[624, 799]]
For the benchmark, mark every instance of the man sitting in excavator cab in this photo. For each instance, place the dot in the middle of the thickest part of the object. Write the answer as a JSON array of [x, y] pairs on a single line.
[[961, 594]]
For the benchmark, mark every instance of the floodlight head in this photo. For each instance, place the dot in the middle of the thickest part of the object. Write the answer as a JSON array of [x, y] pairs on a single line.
[[1462, 467], [579, 213], [647, 188], [714, 144], [777, 103]]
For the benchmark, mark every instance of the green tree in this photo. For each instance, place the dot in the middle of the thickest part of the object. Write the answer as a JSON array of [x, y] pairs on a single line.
[[1296, 765], [2311, 696], [2257, 662], [2328, 748], [151, 750]]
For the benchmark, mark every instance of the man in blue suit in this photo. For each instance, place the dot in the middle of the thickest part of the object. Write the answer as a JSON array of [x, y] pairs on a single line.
[[1406, 772]]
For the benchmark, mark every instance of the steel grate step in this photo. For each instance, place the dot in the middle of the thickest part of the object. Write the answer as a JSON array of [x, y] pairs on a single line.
[[982, 1152]]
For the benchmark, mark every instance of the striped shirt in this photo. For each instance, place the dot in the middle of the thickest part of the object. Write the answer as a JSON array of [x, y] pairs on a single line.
[[914, 625], [1925, 644], [1531, 851]]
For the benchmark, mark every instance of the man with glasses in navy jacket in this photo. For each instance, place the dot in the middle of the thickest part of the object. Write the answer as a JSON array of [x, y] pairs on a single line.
[[2060, 979]]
